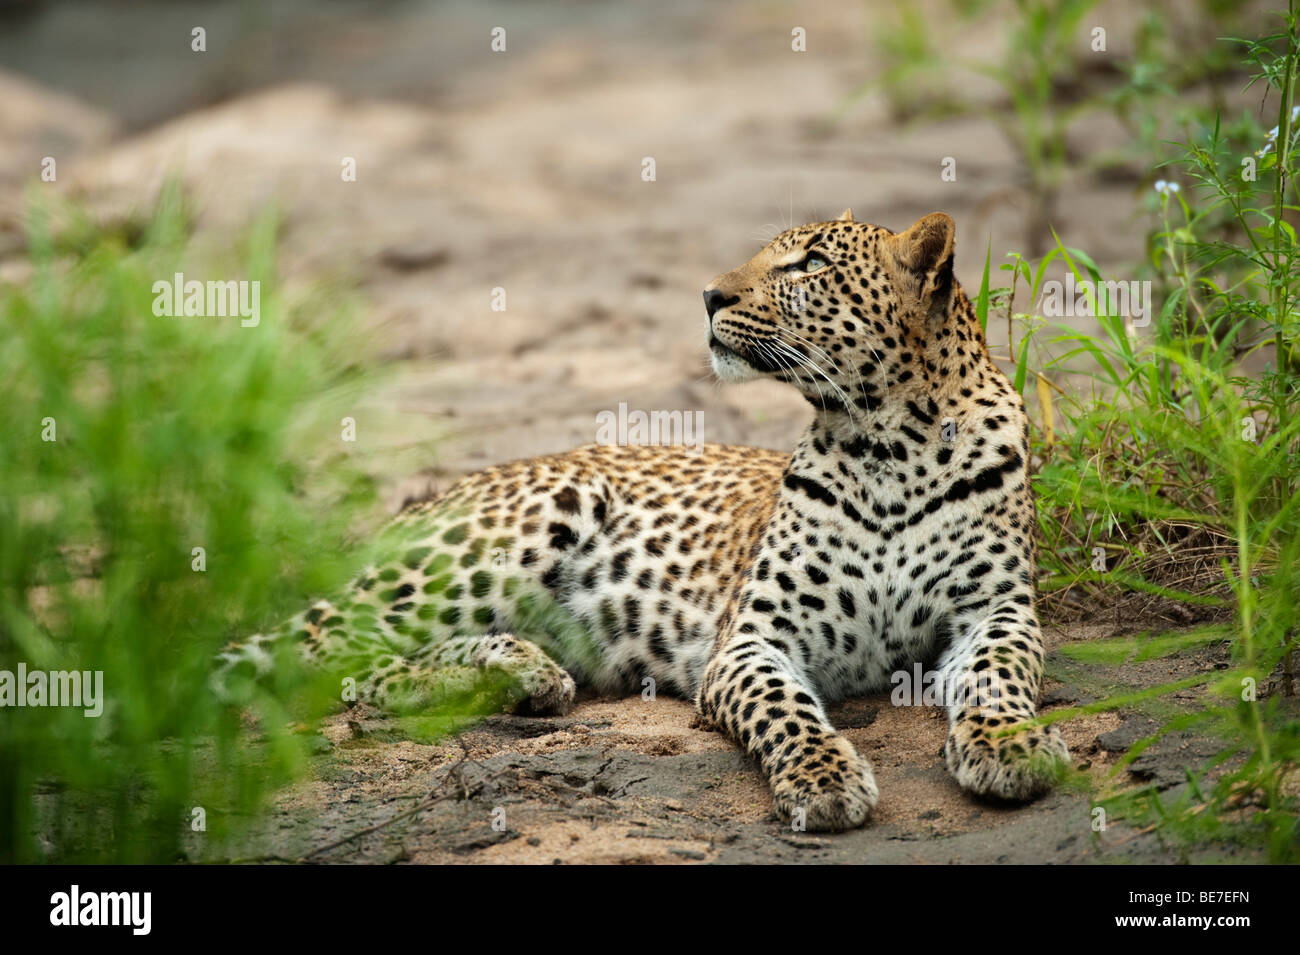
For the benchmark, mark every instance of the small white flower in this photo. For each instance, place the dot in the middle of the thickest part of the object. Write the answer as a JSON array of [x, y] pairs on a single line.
[[1272, 135], [1166, 188]]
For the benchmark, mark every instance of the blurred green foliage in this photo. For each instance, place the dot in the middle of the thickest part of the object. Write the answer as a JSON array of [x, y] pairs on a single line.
[[169, 434]]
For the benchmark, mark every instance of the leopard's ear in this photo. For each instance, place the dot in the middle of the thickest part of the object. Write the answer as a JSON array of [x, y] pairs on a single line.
[[845, 216], [922, 257]]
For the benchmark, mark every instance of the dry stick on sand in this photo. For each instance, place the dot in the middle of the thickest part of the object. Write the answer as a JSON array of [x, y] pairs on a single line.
[[433, 798]]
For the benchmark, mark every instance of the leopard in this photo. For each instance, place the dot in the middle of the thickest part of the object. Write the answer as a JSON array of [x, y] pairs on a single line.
[[764, 585]]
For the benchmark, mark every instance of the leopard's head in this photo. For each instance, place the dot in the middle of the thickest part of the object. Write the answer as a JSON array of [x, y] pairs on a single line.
[[846, 312]]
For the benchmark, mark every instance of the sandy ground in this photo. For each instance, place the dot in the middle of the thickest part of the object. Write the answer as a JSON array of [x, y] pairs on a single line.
[[629, 781], [522, 171]]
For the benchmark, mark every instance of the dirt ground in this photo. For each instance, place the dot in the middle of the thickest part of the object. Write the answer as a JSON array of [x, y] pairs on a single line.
[[522, 171], [629, 781]]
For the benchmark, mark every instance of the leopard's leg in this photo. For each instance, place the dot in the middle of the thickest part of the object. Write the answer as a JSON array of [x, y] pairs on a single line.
[[755, 692], [991, 672], [399, 685], [457, 588], [533, 683], [401, 673], [315, 635], [405, 682]]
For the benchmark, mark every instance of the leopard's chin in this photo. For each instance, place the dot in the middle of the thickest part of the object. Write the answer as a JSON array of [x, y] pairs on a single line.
[[728, 365]]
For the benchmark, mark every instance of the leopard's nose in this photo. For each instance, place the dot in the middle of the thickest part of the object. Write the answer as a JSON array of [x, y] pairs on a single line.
[[715, 298]]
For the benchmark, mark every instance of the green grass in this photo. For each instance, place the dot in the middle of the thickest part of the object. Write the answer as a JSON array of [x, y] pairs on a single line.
[[1168, 456], [169, 434], [1139, 647]]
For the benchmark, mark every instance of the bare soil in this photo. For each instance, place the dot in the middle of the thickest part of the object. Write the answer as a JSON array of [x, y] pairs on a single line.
[[630, 781]]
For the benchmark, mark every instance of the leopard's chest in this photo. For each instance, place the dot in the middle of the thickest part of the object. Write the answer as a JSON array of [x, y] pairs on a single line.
[[862, 579]]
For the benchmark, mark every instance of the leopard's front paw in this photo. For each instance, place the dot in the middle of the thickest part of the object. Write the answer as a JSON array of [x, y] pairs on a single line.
[[1016, 767], [828, 791]]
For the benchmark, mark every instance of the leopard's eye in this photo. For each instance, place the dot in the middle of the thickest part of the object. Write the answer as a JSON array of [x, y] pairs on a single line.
[[811, 262]]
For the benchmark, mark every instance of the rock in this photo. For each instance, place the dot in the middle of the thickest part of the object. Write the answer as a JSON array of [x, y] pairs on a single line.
[[37, 122]]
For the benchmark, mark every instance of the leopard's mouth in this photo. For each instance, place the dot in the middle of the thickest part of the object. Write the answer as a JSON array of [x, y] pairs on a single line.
[[716, 346], [728, 363], [751, 359]]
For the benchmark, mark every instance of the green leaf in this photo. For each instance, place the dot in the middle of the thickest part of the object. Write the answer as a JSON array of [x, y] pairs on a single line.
[[1143, 646], [982, 300]]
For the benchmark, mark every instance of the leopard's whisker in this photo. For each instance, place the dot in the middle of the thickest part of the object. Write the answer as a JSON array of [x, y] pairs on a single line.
[[773, 356], [831, 361], [807, 362], [857, 375]]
